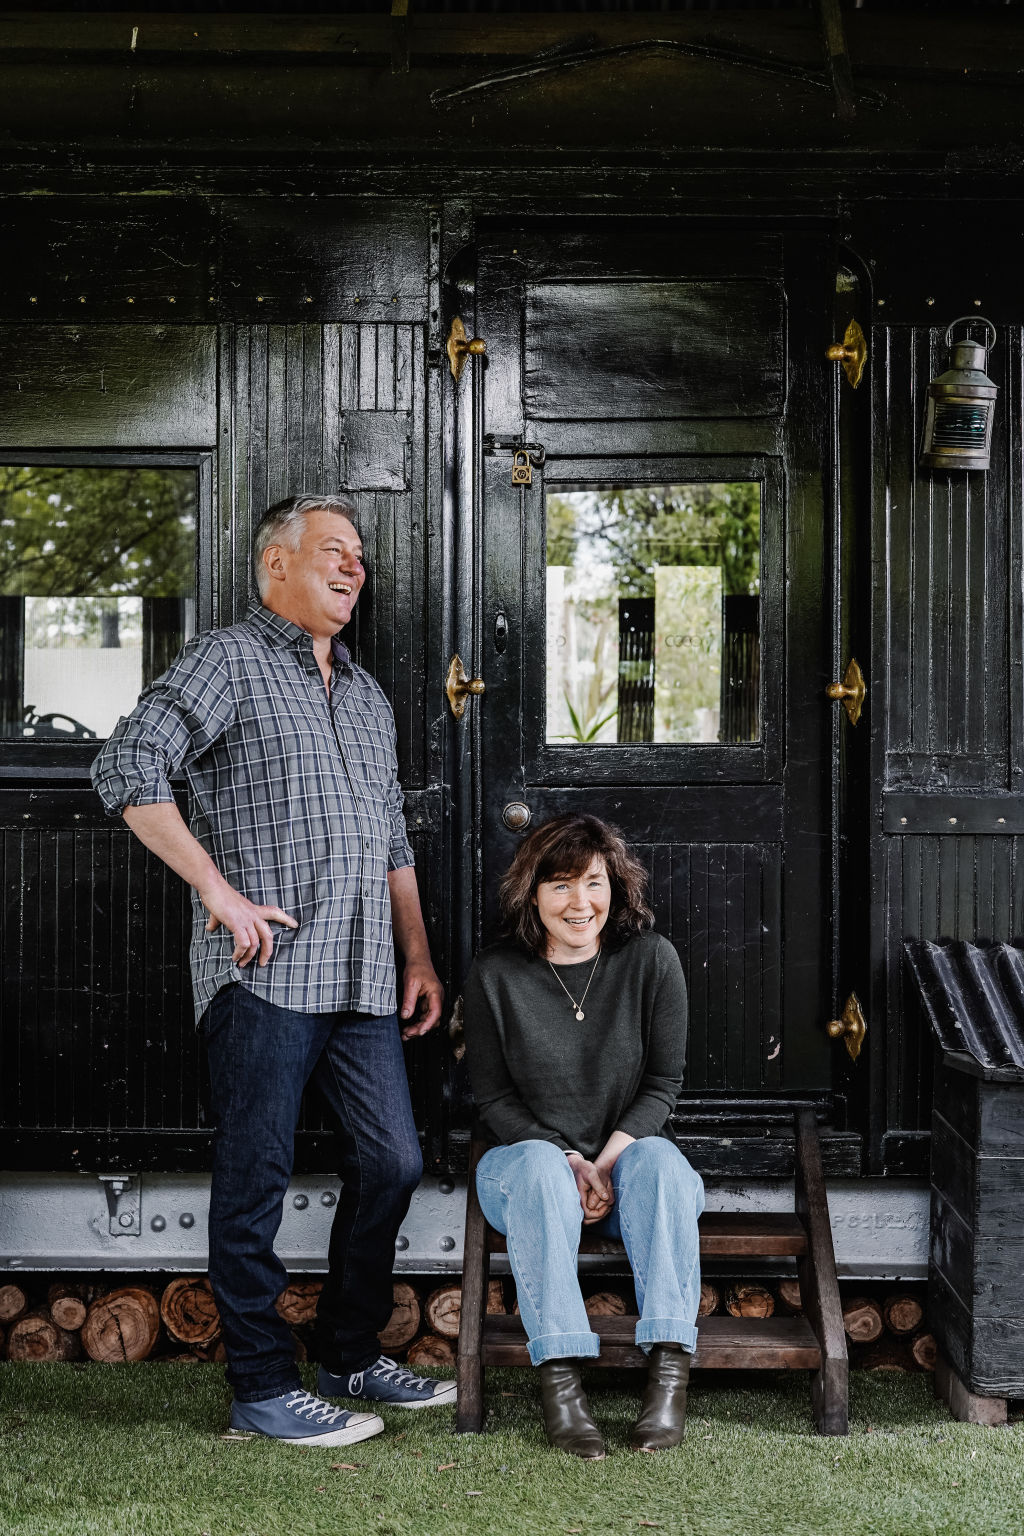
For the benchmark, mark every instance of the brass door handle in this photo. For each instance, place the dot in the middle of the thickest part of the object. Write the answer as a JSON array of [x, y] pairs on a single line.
[[852, 352], [851, 690], [459, 685], [459, 347], [851, 1028]]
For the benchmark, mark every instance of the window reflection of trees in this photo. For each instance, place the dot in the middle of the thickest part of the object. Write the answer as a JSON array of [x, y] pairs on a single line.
[[92, 559], [621, 561]]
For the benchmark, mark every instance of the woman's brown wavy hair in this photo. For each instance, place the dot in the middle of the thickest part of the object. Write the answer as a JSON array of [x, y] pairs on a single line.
[[564, 847]]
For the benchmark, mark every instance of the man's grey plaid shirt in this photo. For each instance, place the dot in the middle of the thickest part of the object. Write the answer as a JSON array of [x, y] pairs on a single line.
[[295, 798]]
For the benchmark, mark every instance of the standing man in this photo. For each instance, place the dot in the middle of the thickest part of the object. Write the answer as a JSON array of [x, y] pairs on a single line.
[[298, 860]]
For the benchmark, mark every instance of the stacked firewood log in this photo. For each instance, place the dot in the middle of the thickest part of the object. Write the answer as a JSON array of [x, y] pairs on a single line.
[[177, 1320]]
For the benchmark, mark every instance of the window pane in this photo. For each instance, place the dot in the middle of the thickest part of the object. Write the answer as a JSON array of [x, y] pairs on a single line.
[[97, 593], [653, 627]]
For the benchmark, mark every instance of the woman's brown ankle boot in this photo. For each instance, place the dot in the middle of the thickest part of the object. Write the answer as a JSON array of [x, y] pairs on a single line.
[[566, 1411], [663, 1409]]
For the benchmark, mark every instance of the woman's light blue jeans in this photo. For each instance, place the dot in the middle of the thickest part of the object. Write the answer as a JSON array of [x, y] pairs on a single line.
[[528, 1192]]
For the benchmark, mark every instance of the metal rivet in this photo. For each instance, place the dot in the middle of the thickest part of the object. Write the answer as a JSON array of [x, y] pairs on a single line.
[[446, 1186], [300, 1202], [157, 1224], [977, 303], [33, 299], [903, 821], [125, 1219], [259, 298], [446, 1244], [929, 301], [171, 299], [328, 1198], [1002, 821], [186, 1220], [881, 303], [81, 298], [308, 299], [401, 1243], [952, 821], [130, 300]]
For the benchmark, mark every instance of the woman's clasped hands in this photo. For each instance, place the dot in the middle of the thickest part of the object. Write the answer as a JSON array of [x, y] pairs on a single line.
[[596, 1193]]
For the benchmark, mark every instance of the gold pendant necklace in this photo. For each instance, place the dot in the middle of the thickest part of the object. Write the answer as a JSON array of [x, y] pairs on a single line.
[[576, 1006]]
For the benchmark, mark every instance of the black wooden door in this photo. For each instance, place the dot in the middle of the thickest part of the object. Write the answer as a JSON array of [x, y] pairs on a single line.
[[652, 617]]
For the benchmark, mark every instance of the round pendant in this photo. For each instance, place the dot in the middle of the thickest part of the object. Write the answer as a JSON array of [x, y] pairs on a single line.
[[579, 1013]]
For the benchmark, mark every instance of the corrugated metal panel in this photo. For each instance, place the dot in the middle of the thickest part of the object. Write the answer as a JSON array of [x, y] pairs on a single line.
[[974, 999]]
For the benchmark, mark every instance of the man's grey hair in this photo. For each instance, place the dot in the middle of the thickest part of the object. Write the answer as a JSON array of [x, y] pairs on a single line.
[[281, 524]]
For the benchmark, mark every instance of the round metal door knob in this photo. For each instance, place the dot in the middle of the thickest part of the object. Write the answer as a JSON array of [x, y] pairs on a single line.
[[516, 816]]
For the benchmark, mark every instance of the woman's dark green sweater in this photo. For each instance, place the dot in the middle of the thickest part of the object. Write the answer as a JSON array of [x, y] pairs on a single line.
[[539, 1073]]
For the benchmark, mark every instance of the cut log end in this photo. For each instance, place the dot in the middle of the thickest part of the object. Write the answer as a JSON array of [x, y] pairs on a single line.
[[605, 1304], [404, 1322], [431, 1350], [123, 1325], [13, 1302], [902, 1314], [442, 1311], [749, 1300], [297, 1302], [189, 1311], [924, 1350], [36, 1337], [863, 1321], [710, 1299], [789, 1298]]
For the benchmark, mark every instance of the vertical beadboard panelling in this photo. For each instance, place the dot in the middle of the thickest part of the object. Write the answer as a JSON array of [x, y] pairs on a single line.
[[97, 1021], [948, 609], [309, 407], [940, 888], [720, 904]]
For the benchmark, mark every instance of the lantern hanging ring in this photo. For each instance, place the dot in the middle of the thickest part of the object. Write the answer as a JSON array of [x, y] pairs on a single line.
[[972, 320]]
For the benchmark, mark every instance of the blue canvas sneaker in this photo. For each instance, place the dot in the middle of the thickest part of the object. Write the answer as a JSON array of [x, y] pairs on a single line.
[[299, 1418], [387, 1382]]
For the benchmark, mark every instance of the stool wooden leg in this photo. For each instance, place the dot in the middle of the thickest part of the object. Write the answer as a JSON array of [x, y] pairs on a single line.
[[819, 1286], [469, 1413]]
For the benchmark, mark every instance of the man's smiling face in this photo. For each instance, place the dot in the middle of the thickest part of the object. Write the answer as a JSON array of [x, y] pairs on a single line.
[[316, 584]]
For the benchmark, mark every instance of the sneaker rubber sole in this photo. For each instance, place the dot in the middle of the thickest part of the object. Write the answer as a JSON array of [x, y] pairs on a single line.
[[362, 1426]]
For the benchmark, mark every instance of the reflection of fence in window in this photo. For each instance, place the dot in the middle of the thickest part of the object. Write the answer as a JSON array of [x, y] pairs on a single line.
[[667, 576], [741, 668], [97, 582]]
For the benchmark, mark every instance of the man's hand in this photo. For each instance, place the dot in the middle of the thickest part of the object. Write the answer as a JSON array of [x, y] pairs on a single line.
[[249, 924], [596, 1194], [420, 981]]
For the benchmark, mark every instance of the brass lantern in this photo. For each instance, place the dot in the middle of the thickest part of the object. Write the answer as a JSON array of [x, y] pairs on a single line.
[[961, 405]]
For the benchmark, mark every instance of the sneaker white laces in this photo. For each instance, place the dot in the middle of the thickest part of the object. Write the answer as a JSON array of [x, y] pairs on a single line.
[[390, 1370], [308, 1405]]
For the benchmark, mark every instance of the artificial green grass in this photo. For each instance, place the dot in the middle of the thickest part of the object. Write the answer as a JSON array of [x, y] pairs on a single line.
[[137, 1451]]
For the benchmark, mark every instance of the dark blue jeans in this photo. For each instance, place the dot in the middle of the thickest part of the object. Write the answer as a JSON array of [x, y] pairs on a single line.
[[261, 1058]]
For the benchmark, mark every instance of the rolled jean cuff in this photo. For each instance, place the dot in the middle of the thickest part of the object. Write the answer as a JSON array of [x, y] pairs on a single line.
[[666, 1330], [289, 1381], [564, 1346]]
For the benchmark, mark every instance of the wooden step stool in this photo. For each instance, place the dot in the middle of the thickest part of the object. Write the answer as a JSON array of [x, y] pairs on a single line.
[[814, 1342]]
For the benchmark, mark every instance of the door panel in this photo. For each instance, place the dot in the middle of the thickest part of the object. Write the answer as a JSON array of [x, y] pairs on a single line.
[[735, 832]]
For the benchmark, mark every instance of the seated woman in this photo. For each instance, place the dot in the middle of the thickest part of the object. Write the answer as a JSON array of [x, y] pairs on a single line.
[[575, 1035]]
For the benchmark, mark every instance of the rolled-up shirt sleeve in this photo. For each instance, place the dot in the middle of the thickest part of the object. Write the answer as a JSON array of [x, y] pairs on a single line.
[[178, 717]]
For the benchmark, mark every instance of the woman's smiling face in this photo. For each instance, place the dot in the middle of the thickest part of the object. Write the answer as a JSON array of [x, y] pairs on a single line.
[[573, 910]]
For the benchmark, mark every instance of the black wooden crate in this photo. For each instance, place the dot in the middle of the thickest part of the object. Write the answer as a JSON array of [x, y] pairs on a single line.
[[974, 999]]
